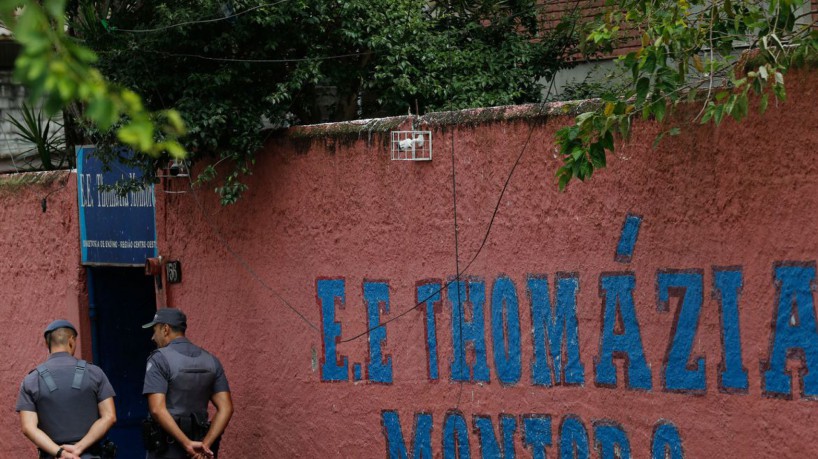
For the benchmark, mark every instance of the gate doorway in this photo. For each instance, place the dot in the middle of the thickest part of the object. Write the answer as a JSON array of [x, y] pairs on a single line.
[[121, 300]]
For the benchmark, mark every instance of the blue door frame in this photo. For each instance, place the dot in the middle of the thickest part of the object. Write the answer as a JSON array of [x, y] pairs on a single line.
[[120, 301]]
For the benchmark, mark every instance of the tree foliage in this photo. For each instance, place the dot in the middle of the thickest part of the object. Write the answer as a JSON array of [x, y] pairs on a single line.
[[233, 67], [58, 69], [718, 53]]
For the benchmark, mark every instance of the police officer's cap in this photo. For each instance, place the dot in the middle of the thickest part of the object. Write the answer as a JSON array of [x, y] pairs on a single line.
[[61, 323], [171, 316]]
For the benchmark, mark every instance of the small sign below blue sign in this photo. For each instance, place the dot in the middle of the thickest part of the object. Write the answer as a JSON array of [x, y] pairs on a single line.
[[114, 230]]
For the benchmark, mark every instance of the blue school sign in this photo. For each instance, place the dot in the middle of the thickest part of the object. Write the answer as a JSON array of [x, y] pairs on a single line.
[[114, 230]]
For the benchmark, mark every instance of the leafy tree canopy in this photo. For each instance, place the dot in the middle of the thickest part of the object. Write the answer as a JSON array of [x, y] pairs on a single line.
[[59, 70], [230, 67], [717, 53]]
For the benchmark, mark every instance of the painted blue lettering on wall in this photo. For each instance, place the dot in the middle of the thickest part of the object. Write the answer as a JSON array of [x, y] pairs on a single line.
[[573, 439], [489, 446], [610, 441], [794, 333], [666, 442], [555, 330], [537, 434], [376, 295], [617, 293], [333, 367], [627, 239], [688, 286], [726, 289], [505, 331], [468, 331], [421, 439], [455, 436], [430, 295]]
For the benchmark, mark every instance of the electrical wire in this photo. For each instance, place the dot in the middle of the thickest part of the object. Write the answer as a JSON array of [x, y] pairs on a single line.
[[540, 112], [44, 201], [241, 260], [259, 61], [460, 305], [203, 21], [459, 273]]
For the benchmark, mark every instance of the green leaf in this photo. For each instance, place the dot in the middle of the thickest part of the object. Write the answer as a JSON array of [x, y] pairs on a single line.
[[718, 114], [625, 128], [762, 107], [582, 118], [103, 112], [708, 114], [564, 177], [642, 88], [573, 132], [659, 109], [597, 154], [138, 134], [740, 108], [84, 54], [174, 149], [780, 92], [658, 140], [607, 141], [55, 8]]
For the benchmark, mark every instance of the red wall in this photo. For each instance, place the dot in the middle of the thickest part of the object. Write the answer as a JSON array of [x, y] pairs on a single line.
[[741, 196], [737, 198], [40, 279]]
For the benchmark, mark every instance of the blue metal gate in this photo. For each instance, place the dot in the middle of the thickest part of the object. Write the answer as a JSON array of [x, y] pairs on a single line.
[[121, 300]]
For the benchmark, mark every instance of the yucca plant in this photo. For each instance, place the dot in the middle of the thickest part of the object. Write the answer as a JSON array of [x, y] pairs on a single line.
[[47, 139]]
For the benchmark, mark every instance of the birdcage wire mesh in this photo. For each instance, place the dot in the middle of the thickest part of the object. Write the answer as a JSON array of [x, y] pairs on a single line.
[[412, 145]]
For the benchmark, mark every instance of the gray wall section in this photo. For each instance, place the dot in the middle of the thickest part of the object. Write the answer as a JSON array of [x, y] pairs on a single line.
[[589, 72], [16, 154]]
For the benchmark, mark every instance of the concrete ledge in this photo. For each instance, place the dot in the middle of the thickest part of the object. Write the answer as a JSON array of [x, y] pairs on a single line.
[[468, 117]]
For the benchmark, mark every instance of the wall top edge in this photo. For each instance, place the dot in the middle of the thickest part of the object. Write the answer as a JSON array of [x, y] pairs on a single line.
[[457, 118], [34, 178]]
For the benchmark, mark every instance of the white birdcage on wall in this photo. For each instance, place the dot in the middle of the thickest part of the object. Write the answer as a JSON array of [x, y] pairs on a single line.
[[412, 145]]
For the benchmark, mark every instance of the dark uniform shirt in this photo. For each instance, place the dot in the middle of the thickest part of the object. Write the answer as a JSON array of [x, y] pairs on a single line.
[[157, 374], [160, 379], [65, 414]]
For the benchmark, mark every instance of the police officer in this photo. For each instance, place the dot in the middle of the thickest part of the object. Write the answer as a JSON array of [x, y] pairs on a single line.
[[180, 379], [66, 405]]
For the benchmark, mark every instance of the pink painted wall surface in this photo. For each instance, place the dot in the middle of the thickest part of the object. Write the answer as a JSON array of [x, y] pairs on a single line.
[[740, 195], [740, 198], [40, 278]]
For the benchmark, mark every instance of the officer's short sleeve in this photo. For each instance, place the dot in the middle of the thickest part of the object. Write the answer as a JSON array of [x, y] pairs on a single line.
[[157, 374], [220, 384], [27, 395], [104, 388]]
